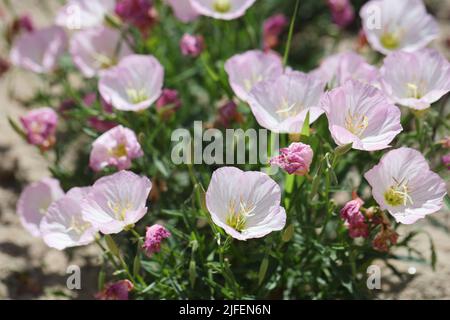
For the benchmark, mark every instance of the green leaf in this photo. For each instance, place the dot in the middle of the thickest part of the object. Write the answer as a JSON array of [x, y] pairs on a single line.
[[136, 264], [112, 246], [101, 279], [192, 273], [161, 167], [341, 150], [288, 233], [263, 270], [17, 128], [306, 130]]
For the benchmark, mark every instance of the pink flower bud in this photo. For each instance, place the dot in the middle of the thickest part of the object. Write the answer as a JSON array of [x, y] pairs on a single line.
[[342, 12], [115, 291], [153, 238], [272, 29], [351, 208], [191, 45], [446, 161], [295, 159], [357, 226], [139, 13], [385, 239], [168, 103], [228, 113], [40, 127]]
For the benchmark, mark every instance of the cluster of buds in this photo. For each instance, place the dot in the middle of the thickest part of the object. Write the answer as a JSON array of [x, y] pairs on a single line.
[[138, 13], [361, 221]]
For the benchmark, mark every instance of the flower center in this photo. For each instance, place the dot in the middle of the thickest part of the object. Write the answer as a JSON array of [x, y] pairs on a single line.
[[398, 194], [136, 96], [390, 40], [103, 61], [356, 123], [78, 225], [414, 91], [119, 151], [287, 110], [120, 209], [222, 6], [237, 217]]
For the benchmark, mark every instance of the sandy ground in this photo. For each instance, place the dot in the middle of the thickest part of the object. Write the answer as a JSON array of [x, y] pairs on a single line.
[[29, 269]]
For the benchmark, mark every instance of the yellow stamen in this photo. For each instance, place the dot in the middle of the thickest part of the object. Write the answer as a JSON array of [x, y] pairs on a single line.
[[398, 194], [119, 151], [356, 123], [136, 96], [238, 219], [390, 40]]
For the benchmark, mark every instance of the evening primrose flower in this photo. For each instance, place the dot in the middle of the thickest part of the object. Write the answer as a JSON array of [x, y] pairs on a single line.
[[97, 49], [116, 202], [296, 159], [83, 14], [116, 147], [134, 84], [222, 9], [247, 69], [183, 10], [360, 114], [416, 80], [398, 25], [281, 105], [63, 226], [34, 202], [245, 204], [40, 50], [40, 127], [335, 70], [403, 184]]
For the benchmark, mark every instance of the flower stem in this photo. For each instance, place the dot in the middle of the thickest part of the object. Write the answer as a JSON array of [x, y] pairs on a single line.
[[291, 33]]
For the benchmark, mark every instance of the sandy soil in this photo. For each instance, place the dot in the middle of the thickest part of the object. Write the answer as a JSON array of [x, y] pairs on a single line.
[[29, 269]]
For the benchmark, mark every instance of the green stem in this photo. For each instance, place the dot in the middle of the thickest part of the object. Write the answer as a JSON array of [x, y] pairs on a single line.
[[291, 32]]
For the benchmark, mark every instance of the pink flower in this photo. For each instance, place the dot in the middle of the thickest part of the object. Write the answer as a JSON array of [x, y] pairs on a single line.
[[272, 28], [84, 14], [245, 204], [139, 13], [281, 104], [116, 291], [398, 25], [191, 45], [228, 113], [416, 80], [116, 202], [34, 202], [446, 161], [116, 147], [183, 10], [40, 50], [357, 226], [339, 68], [351, 209], [40, 127], [403, 184], [222, 9], [360, 114], [95, 50], [342, 12], [247, 69], [134, 84], [153, 238], [295, 159], [63, 226]]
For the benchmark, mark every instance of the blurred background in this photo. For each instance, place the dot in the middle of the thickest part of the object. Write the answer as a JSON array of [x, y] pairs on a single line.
[[31, 270]]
